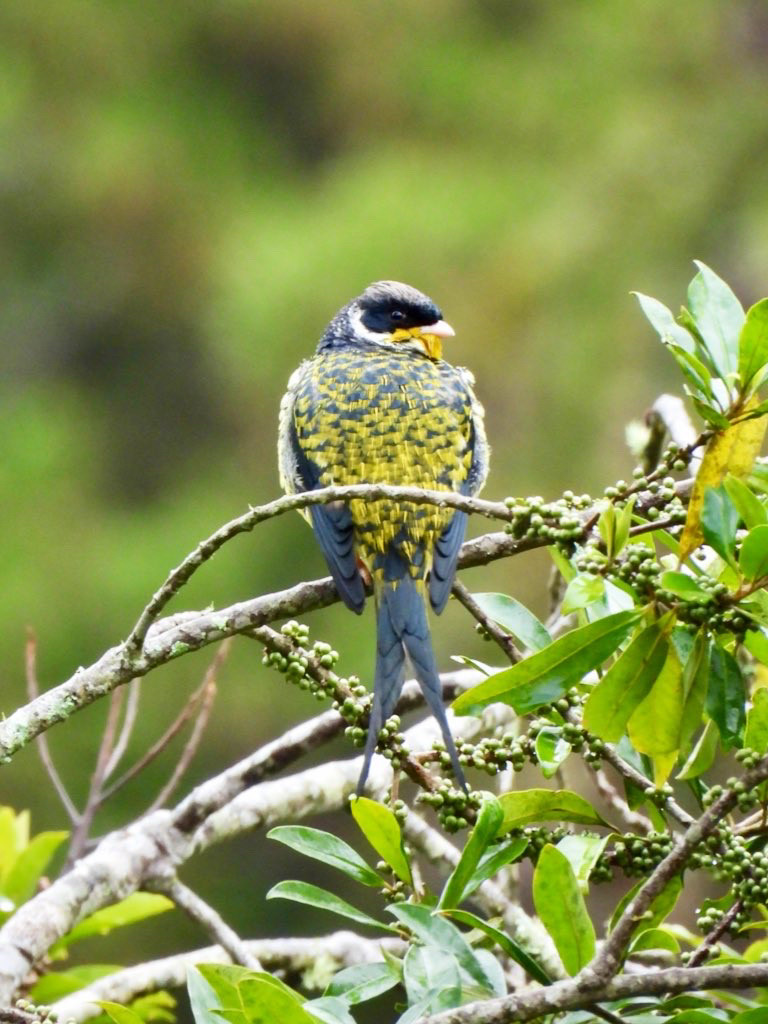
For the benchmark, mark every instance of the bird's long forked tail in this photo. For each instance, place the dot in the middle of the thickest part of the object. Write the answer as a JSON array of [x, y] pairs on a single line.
[[402, 627]]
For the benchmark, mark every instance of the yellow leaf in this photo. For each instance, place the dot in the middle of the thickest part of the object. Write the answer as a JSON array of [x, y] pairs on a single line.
[[732, 450], [662, 767]]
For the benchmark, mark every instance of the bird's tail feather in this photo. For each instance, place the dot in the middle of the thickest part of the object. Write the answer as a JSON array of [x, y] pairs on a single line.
[[402, 627]]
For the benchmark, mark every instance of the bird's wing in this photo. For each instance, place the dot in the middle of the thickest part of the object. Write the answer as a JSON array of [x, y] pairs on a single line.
[[332, 523], [446, 550]]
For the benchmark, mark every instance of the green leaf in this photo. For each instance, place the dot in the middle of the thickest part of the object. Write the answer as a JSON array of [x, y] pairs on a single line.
[[264, 999], [614, 698], [545, 676], [752, 511], [623, 524], [712, 415], [31, 863], [684, 585], [726, 696], [756, 642], [753, 342], [702, 756], [655, 938], [485, 830], [694, 370], [756, 732], [432, 982], [504, 942], [120, 1014], [435, 931], [203, 999], [329, 1010], [654, 726], [719, 317], [753, 558], [362, 982], [54, 985], [661, 318], [382, 830], [661, 906], [314, 896], [561, 908], [551, 751], [329, 849], [719, 522], [516, 619], [494, 860], [583, 852], [583, 590], [522, 807], [134, 908]]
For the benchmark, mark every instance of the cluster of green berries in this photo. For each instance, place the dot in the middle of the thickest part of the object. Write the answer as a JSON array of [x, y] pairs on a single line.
[[746, 798], [310, 668], [553, 521], [40, 1013], [455, 808], [731, 860], [636, 856]]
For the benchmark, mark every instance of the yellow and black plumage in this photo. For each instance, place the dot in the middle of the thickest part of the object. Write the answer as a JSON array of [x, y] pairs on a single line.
[[378, 404]]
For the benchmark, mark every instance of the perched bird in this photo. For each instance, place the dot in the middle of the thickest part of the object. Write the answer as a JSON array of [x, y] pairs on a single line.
[[377, 404]]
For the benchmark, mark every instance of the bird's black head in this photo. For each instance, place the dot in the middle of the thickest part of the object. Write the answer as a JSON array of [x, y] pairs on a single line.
[[389, 306], [390, 313]]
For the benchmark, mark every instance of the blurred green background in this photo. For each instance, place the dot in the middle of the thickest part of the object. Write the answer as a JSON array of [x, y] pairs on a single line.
[[189, 190]]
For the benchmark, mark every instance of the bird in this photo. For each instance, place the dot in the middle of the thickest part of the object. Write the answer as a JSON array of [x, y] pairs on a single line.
[[378, 404]]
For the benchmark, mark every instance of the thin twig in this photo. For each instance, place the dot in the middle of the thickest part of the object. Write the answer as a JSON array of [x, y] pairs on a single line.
[[93, 802], [212, 923], [33, 690], [198, 703], [505, 640], [126, 731], [207, 697], [709, 946]]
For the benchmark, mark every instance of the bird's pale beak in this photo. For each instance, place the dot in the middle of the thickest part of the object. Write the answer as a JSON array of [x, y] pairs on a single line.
[[440, 329]]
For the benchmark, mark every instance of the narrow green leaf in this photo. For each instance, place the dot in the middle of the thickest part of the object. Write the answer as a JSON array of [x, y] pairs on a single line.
[[711, 414], [493, 860], [752, 511], [31, 863], [436, 931], [522, 807], [362, 982], [662, 320], [623, 524], [485, 830], [684, 585], [203, 999], [561, 908], [753, 342], [551, 751], [583, 850], [756, 732], [753, 558], [516, 619], [702, 756], [265, 999], [614, 698], [719, 522], [545, 676], [606, 526], [134, 908], [119, 1014], [583, 590], [726, 696], [719, 318], [314, 896], [504, 942], [695, 371], [331, 850], [382, 830]]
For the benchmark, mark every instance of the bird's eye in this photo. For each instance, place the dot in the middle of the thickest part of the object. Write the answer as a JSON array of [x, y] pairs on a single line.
[[397, 315]]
